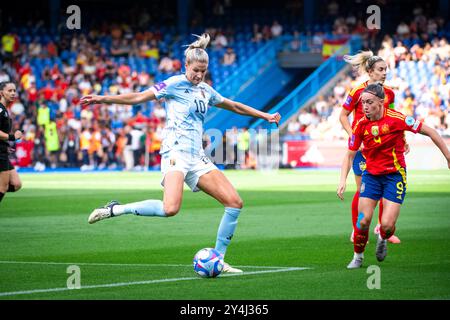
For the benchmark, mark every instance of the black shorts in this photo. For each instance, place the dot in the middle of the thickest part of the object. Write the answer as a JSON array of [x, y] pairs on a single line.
[[5, 164]]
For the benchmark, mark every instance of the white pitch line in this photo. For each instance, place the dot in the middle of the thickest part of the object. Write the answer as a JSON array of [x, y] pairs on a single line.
[[125, 264], [126, 284], [94, 264]]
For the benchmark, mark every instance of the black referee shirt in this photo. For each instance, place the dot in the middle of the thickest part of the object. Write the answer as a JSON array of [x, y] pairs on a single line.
[[5, 126]]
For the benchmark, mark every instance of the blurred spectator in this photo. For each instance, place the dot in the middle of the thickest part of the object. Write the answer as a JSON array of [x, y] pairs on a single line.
[[229, 57], [166, 65], [4, 75], [70, 149], [257, 34], [52, 143], [243, 148], [220, 41], [10, 44], [276, 29], [295, 43], [403, 30], [128, 154]]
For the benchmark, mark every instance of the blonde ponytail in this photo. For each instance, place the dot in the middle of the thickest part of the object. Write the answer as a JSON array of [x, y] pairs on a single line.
[[196, 50], [363, 61]]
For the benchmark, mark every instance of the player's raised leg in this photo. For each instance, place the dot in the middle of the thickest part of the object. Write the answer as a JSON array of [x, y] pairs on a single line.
[[217, 185], [173, 195]]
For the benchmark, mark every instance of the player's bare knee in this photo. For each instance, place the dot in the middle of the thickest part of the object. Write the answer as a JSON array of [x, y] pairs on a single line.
[[364, 224], [388, 226], [15, 187], [234, 202], [239, 203]]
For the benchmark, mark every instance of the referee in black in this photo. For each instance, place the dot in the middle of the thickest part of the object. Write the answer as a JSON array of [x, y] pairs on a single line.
[[9, 178]]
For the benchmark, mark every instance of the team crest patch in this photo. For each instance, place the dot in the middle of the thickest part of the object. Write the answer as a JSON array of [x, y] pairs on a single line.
[[173, 162], [363, 187], [385, 128], [409, 120], [375, 131]]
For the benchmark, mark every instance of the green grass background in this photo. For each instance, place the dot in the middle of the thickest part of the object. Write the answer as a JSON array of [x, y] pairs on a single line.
[[290, 219]]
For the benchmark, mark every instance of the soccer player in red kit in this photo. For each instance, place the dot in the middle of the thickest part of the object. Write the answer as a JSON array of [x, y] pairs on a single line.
[[376, 68], [381, 131]]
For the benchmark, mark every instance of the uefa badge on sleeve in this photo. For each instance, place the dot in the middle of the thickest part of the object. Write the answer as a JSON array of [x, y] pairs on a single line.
[[348, 100], [409, 120], [352, 140]]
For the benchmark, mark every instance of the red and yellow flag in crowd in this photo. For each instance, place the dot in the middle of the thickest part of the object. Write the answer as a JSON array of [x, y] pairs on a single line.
[[330, 46]]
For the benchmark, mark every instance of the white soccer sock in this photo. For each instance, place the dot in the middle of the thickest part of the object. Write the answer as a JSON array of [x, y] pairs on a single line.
[[358, 255], [226, 229], [150, 208]]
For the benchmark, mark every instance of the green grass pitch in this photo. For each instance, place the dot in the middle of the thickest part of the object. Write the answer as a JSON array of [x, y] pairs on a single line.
[[292, 240]]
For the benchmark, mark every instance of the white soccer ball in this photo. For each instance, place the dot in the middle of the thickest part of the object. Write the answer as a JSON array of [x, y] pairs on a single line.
[[208, 263]]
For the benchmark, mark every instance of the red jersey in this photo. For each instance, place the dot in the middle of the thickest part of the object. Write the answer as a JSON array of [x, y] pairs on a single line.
[[383, 139], [353, 101]]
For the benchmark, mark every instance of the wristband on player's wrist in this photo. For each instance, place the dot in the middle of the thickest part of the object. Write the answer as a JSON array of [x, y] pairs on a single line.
[[11, 137]]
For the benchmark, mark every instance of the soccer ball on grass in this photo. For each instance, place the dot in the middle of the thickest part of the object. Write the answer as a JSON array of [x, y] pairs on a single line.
[[208, 263]]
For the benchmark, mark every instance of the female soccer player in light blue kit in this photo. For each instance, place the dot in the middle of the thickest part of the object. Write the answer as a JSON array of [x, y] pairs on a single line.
[[187, 99]]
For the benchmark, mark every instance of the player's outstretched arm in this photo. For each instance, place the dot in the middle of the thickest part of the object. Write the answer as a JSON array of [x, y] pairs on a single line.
[[437, 140], [126, 98], [243, 109], [345, 169]]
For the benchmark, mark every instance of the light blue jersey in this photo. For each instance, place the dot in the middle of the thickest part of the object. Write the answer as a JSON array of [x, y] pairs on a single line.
[[186, 107]]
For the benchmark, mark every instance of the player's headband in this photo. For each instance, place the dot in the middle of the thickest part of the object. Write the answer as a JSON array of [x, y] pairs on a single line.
[[372, 60]]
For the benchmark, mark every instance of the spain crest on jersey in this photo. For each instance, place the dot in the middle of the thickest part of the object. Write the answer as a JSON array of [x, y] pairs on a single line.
[[375, 131], [385, 128]]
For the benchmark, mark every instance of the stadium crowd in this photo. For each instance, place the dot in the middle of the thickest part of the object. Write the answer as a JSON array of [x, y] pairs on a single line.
[[53, 73], [58, 131], [422, 45]]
